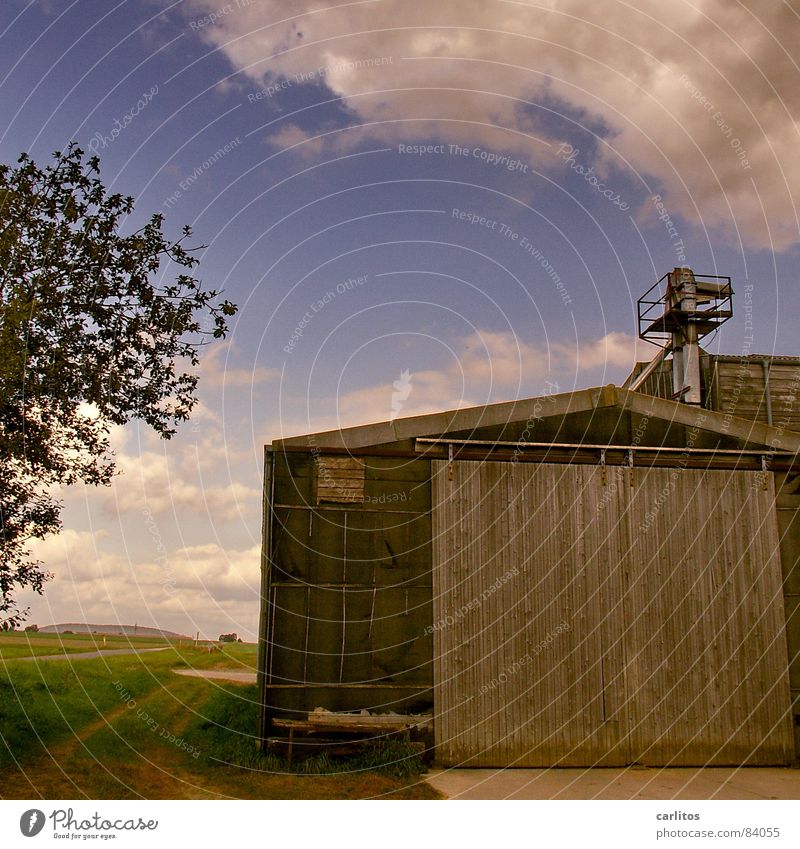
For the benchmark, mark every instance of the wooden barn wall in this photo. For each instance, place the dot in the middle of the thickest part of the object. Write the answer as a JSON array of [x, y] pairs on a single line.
[[605, 617], [736, 386], [788, 503], [738, 389], [347, 588], [659, 383]]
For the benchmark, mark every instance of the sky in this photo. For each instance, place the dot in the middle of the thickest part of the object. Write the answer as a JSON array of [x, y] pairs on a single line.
[[467, 197]]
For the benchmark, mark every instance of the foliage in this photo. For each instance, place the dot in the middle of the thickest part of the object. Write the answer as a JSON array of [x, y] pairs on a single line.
[[96, 328], [229, 638]]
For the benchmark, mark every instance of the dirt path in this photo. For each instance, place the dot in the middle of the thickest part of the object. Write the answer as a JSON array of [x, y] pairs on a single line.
[[86, 655], [153, 746], [219, 675], [98, 762]]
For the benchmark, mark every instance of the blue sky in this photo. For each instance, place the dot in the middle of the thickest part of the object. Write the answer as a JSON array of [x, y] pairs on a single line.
[[463, 190]]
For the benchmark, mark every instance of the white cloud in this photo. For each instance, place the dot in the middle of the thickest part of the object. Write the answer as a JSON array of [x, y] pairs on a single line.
[[489, 366], [699, 97], [201, 587], [74, 553], [203, 471], [615, 352], [217, 372], [177, 479], [223, 574], [141, 571]]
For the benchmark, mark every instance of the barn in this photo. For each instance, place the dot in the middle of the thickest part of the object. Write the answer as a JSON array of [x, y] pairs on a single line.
[[594, 578]]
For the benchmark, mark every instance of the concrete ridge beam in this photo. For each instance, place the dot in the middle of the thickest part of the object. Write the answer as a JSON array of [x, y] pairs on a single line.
[[709, 420], [468, 418]]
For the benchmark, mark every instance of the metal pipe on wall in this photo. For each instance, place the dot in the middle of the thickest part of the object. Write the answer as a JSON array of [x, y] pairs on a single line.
[[767, 396]]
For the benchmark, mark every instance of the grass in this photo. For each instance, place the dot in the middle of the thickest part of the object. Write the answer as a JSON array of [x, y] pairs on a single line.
[[12, 652], [241, 657], [226, 733], [127, 727], [16, 644], [41, 703]]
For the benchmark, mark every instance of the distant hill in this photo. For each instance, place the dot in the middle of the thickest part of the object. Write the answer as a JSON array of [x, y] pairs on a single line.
[[111, 630]]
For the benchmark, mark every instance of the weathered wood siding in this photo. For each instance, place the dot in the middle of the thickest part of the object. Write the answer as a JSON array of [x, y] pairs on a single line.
[[737, 386], [788, 504], [339, 479], [347, 586], [583, 617], [739, 390]]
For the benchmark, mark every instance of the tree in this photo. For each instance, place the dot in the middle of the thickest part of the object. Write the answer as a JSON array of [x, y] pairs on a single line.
[[96, 328]]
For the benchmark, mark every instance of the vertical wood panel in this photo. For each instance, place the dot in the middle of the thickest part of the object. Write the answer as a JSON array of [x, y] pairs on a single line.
[[709, 651], [518, 672], [584, 621]]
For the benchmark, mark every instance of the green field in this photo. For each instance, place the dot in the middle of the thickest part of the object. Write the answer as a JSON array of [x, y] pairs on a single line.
[[15, 644], [126, 726]]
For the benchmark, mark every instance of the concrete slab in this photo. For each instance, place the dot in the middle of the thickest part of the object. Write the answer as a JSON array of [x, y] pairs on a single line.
[[634, 783]]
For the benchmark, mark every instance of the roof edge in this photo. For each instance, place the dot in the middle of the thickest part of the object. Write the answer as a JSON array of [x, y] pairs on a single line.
[[464, 418], [546, 406], [724, 424]]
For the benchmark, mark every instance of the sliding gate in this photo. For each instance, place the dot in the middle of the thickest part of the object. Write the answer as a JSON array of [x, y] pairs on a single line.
[[586, 615]]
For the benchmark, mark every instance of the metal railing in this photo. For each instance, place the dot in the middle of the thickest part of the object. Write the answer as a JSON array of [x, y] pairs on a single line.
[[659, 313]]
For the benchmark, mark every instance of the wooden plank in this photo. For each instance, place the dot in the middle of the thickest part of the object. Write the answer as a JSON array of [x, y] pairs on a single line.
[[339, 479], [353, 723]]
